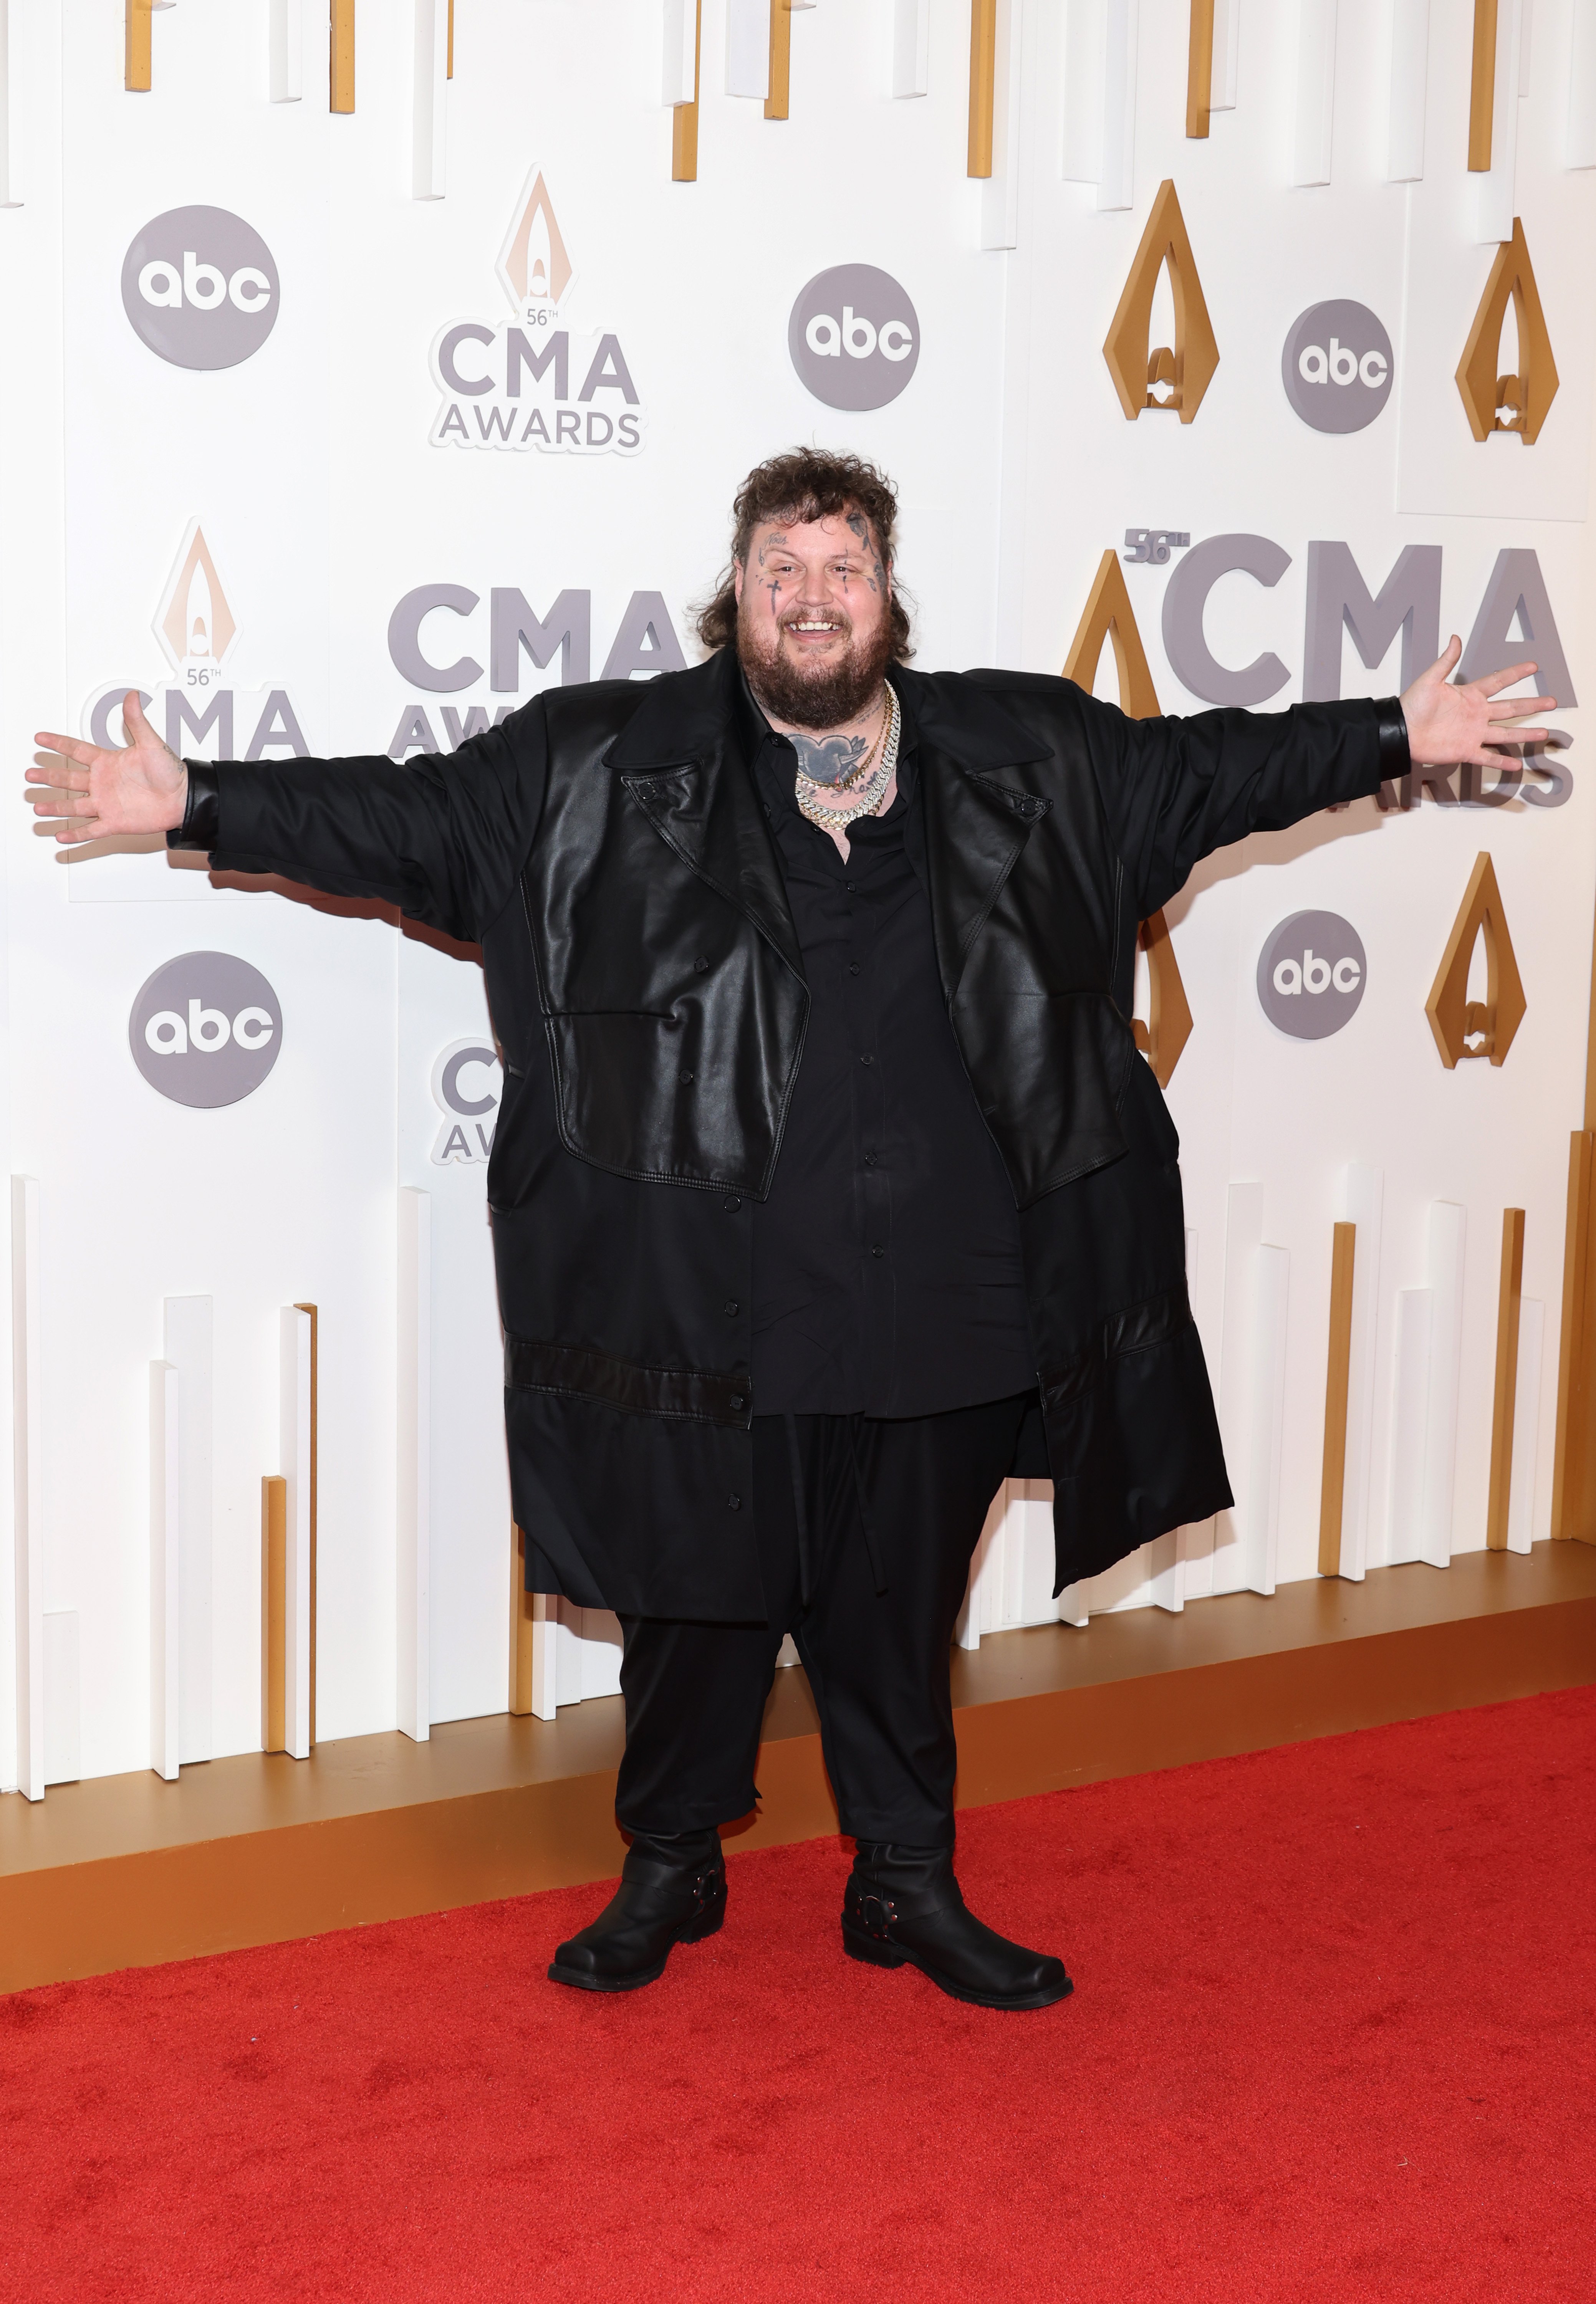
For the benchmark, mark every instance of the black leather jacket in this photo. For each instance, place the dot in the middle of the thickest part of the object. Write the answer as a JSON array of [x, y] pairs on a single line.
[[606, 849]]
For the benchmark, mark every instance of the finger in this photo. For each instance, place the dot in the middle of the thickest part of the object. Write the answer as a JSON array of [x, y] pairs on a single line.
[[1442, 666], [69, 747], [1491, 684], [73, 836], [132, 717], [59, 780], [1511, 738], [1516, 706], [63, 805]]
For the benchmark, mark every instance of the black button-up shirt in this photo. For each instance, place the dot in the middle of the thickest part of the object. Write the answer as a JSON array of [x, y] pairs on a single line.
[[887, 1278]]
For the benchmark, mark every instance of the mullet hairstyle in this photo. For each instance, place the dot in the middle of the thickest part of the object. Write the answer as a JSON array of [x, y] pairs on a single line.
[[803, 485]]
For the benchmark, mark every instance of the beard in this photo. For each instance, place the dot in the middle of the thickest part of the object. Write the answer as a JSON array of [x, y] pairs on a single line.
[[813, 695]]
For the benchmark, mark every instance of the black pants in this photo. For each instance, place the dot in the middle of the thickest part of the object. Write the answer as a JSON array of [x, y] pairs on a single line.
[[842, 1505]]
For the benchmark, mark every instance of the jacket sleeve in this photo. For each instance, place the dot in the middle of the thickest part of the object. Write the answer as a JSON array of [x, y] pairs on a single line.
[[443, 837], [1176, 790]]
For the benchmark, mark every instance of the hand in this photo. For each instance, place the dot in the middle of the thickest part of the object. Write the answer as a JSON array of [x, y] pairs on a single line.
[[1448, 727], [143, 788]]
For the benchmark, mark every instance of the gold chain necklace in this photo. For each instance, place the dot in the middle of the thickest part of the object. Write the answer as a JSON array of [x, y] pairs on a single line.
[[869, 786]]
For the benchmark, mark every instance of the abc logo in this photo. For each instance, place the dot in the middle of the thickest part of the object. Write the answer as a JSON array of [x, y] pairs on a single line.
[[201, 287], [1311, 975], [1336, 366], [205, 1030], [854, 337]]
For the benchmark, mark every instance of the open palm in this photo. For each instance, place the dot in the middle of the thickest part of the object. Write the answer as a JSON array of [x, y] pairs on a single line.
[[141, 788], [1449, 726]]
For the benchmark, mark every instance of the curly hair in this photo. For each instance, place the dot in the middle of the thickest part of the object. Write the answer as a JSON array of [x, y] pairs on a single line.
[[808, 484]]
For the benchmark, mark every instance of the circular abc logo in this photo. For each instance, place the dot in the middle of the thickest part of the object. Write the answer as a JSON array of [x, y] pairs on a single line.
[[855, 337], [1311, 975], [201, 287], [1336, 366], [206, 1029]]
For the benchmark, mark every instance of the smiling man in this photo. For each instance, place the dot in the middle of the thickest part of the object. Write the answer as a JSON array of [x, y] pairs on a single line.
[[829, 1186]]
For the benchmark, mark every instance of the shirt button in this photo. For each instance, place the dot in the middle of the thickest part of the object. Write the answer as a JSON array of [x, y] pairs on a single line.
[[686, 1078], [731, 1308], [848, 885], [867, 1060], [734, 1503], [869, 1159], [876, 1248], [853, 968], [732, 1206], [736, 1400], [702, 962]]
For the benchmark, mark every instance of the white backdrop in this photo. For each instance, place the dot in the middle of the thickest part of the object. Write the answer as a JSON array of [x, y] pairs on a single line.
[[311, 471]]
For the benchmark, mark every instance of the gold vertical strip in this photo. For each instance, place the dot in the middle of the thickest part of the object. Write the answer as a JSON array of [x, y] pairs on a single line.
[[781, 59], [684, 117], [1199, 67], [450, 74], [274, 1613], [341, 57], [1508, 1296], [1482, 86], [1332, 1485], [1573, 1370], [315, 1372], [521, 1628], [137, 63], [984, 83]]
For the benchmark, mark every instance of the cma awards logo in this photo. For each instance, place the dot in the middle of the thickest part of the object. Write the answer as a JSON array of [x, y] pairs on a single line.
[[528, 382], [467, 1081], [199, 711]]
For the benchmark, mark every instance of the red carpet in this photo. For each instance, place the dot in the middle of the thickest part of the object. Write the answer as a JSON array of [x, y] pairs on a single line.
[[1331, 2039]]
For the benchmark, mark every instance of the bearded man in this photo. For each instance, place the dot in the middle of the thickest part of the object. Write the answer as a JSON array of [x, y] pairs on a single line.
[[829, 1186]]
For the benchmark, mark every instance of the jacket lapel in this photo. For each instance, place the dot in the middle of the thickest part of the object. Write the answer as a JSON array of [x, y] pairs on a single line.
[[681, 764], [978, 819]]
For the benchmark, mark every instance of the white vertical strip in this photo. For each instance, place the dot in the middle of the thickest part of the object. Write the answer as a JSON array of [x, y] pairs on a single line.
[[1314, 111], [1271, 1278], [286, 75], [1040, 1559], [64, 1698], [1581, 149], [295, 1410], [1117, 175], [1448, 1223], [567, 1653], [1527, 1424], [1363, 1193], [1409, 1414], [545, 1625], [1167, 1572], [1409, 84], [1011, 1500], [166, 1568], [1495, 191], [12, 77], [986, 1573], [680, 29], [911, 46], [430, 100], [1526, 18], [1222, 1571], [1228, 23], [413, 1614], [748, 48], [28, 1466], [187, 1345], [600, 1645], [1000, 194]]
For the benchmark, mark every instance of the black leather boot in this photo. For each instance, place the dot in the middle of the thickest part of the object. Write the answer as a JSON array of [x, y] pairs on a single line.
[[903, 1904], [672, 1891]]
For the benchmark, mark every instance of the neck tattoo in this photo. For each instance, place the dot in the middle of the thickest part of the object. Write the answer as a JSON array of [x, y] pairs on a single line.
[[842, 763]]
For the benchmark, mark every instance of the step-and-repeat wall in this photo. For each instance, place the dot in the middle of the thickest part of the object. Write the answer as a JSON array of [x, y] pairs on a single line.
[[373, 367]]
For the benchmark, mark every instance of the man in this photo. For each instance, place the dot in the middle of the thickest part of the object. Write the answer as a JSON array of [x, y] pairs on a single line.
[[828, 1185]]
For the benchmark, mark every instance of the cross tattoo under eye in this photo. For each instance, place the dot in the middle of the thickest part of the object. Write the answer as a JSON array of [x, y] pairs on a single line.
[[827, 760]]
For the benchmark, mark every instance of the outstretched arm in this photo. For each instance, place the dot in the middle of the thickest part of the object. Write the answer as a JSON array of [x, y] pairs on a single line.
[[442, 838], [1176, 790]]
